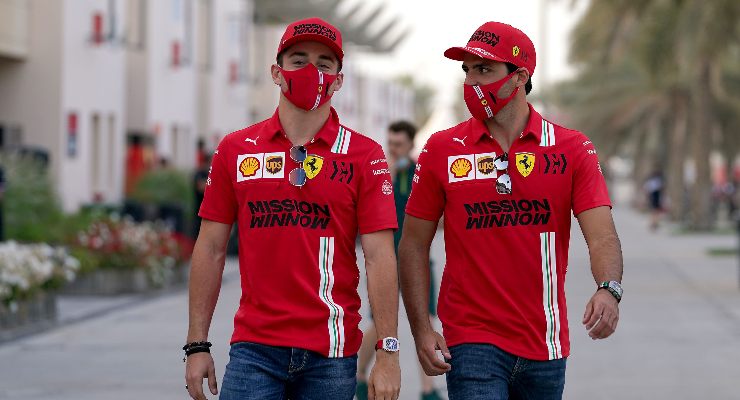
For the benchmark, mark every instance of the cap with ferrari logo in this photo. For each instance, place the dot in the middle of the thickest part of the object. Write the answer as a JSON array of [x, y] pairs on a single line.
[[312, 29], [498, 42]]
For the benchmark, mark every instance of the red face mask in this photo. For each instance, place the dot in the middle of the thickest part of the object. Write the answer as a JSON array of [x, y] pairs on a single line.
[[482, 101], [308, 88]]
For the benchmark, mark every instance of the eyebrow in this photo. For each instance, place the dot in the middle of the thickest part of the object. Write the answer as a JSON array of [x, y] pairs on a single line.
[[298, 53], [304, 54], [327, 58], [478, 65]]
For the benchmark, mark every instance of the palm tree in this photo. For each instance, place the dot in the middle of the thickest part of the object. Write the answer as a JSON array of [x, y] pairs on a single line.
[[659, 68]]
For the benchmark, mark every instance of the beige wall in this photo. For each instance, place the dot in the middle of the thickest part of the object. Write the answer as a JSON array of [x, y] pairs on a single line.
[[14, 28], [30, 90]]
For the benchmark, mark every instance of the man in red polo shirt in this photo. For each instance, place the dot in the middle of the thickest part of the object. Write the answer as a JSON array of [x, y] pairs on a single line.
[[506, 182], [300, 186]]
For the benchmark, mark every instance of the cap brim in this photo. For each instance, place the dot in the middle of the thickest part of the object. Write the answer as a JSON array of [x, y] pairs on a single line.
[[315, 38], [458, 53]]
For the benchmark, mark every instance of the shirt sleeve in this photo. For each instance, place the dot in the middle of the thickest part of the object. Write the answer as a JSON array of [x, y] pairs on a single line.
[[589, 185], [376, 208], [219, 201], [427, 199]]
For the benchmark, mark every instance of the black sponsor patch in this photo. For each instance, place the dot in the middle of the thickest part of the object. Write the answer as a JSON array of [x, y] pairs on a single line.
[[343, 171], [555, 163]]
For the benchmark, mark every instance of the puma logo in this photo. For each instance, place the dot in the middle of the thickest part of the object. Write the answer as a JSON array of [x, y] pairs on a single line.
[[253, 141], [462, 141]]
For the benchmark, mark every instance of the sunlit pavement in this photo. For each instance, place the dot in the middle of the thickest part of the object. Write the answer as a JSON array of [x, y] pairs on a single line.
[[678, 336]]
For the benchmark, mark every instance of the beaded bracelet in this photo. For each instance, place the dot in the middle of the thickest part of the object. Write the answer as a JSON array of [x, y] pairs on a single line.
[[197, 344], [196, 347]]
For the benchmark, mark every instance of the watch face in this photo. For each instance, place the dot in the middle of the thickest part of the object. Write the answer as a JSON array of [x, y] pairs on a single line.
[[616, 287], [390, 344]]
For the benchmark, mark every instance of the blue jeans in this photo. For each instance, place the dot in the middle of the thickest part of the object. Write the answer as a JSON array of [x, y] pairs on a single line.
[[262, 372], [484, 371]]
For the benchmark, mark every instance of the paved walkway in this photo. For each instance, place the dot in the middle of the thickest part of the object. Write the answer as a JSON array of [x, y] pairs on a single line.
[[679, 337]]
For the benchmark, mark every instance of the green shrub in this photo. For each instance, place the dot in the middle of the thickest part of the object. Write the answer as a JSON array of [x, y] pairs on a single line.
[[31, 208], [166, 187]]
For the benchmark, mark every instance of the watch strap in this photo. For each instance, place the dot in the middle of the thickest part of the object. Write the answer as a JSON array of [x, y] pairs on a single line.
[[606, 285]]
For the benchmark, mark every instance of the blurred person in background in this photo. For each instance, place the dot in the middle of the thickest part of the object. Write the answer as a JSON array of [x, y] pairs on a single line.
[[653, 187], [300, 186], [200, 181], [506, 181], [201, 154], [401, 136]]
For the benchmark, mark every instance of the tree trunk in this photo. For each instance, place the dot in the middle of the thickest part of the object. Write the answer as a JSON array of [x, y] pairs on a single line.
[[675, 179], [701, 134], [645, 158]]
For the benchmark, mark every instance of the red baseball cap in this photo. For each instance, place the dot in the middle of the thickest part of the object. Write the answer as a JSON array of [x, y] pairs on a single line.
[[312, 29], [498, 42]]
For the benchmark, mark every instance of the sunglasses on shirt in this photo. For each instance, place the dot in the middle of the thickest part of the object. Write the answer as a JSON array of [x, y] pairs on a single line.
[[297, 177], [503, 182]]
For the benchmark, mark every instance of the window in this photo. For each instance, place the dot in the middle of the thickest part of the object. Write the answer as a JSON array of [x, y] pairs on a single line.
[[95, 154], [113, 142]]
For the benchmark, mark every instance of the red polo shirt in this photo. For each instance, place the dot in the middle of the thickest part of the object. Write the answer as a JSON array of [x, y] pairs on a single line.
[[297, 258], [507, 254]]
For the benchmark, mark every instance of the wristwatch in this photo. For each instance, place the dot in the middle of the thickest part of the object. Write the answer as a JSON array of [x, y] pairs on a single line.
[[389, 344], [614, 288]]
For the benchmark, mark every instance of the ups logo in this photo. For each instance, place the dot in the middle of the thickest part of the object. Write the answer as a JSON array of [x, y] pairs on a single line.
[[274, 164], [485, 165]]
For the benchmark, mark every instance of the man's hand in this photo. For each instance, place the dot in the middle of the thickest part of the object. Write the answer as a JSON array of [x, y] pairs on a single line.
[[198, 367], [385, 378], [427, 345], [602, 315]]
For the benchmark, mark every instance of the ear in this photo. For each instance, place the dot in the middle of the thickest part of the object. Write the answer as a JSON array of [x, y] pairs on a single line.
[[522, 77], [275, 74], [338, 82]]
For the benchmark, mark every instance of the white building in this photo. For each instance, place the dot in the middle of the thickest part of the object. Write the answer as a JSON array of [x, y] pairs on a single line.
[[62, 80], [79, 76], [162, 77], [223, 63], [262, 50]]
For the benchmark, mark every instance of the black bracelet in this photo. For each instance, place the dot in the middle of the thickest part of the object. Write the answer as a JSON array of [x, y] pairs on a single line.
[[197, 349], [196, 344]]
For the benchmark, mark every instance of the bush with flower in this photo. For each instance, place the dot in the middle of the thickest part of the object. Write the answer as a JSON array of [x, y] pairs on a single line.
[[114, 242], [28, 268]]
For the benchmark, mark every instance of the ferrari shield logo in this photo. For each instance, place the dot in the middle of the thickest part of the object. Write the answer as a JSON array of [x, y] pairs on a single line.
[[312, 165], [525, 163]]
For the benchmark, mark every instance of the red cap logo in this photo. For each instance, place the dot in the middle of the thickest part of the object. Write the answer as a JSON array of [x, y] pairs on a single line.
[[498, 42], [312, 29]]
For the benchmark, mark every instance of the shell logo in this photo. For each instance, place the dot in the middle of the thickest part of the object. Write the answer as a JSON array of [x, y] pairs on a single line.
[[461, 167], [484, 102], [249, 167]]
